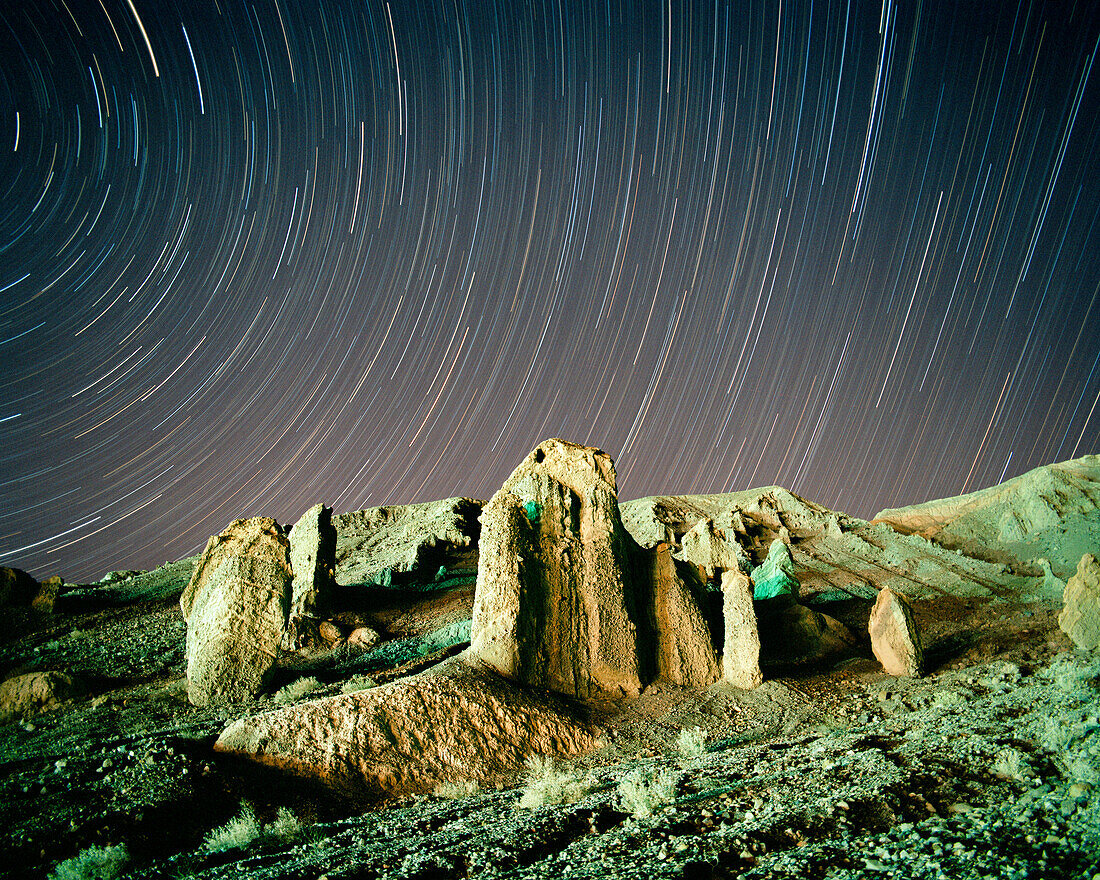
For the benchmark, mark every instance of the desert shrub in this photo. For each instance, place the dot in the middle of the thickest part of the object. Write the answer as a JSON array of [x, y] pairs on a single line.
[[357, 683], [645, 790], [238, 833], [94, 863], [456, 790], [1012, 764], [691, 743], [546, 784], [284, 827], [244, 829], [296, 690]]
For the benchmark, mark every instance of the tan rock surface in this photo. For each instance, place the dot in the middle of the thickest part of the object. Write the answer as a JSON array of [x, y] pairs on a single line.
[[1080, 615], [235, 607], [1048, 512], [313, 561], [710, 549], [741, 647], [455, 722], [895, 638], [35, 692], [402, 537], [551, 606], [683, 650]]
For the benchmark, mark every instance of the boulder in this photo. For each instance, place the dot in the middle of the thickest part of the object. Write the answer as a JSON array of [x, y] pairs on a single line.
[[551, 607], [1080, 615], [684, 653], [710, 550], [35, 692], [402, 737], [16, 587], [775, 576], [792, 635], [236, 608], [895, 639], [46, 597], [313, 561], [741, 648], [363, 638]]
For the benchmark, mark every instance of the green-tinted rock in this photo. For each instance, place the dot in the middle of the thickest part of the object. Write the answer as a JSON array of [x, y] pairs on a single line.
[[775, 577]]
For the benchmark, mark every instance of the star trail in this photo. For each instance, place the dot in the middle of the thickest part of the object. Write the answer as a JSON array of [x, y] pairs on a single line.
[[256, 255]]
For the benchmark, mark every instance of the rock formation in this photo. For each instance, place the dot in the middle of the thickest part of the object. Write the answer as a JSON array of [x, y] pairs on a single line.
[[552, 609], [741, 647], [684, 652], [1080, 615], [710, 550], [403, 538], [453, 722], [775, 576], [895, 639], [236, 608], [313, 561]]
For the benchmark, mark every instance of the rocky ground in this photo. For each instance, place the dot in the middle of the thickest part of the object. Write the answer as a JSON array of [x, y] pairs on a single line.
[[986, 767]]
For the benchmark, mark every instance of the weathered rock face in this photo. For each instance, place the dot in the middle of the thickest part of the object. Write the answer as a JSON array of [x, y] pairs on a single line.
[[235, 607], [895, 639], [741, 649], [313, 561], [373, 543], [684, 653], [1080, 615], [710, 549], [775, 576], [403, 737], [552, 608]]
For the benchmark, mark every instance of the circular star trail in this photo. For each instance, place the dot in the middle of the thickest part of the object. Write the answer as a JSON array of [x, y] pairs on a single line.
[[256, 255]]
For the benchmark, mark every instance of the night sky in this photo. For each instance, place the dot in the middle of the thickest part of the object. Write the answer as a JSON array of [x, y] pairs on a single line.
[[256, 255]]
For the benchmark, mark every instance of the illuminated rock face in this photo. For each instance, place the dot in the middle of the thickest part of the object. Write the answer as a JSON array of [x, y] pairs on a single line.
[[1080, 615], [895, 639], [554, 606], [456, 721], [683, 652], [236, 609], [741, 647], [313, 561]]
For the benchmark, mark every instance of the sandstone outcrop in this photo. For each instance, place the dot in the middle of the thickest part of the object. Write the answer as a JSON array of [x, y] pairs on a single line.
[[406, 736], [373, 543], [313, 562], [775, 576], [1080, 615], [708, 548], [1047, 512], [236, 609], [552, 607], [741, 647], [895, 638], [684, 652]]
